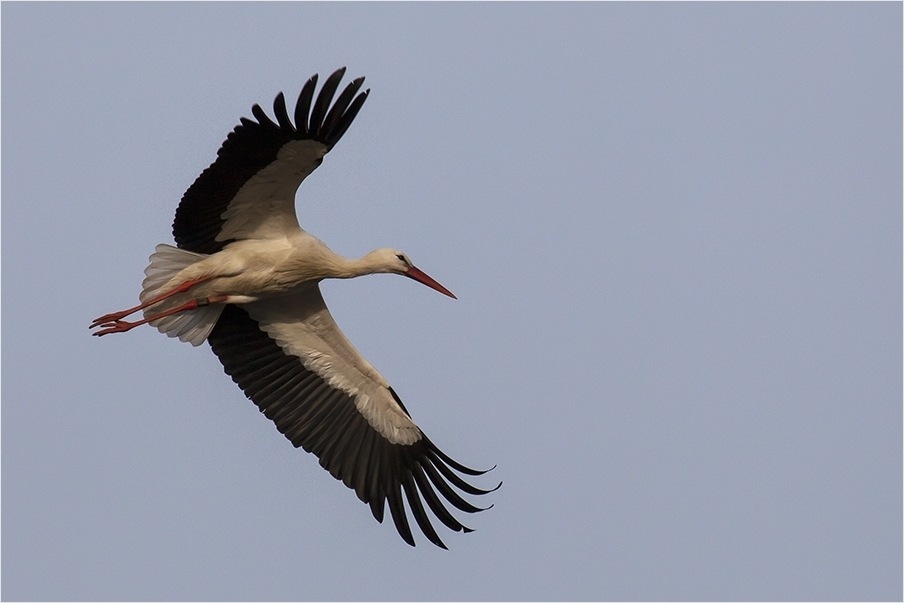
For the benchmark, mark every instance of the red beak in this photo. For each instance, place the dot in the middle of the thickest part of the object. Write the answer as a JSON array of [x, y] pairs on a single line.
[[421, 277]]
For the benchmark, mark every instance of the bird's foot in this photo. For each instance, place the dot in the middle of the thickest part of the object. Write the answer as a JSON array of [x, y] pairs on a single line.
[[110, 318], [115, 326]]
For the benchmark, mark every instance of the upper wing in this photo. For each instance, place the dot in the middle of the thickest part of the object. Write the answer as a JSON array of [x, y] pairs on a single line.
[[291, 360], [249, 191]]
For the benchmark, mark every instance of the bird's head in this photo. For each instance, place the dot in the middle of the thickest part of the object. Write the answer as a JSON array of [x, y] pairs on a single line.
[[396, 262]]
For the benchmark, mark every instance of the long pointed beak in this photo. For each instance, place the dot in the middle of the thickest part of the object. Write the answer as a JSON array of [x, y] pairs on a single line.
[[421, 277]]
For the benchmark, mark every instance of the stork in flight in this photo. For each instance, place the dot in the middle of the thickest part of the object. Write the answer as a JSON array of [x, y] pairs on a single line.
[[245, 277]]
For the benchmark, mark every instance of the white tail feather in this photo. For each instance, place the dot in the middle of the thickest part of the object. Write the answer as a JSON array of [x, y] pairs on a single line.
[[192, 326]]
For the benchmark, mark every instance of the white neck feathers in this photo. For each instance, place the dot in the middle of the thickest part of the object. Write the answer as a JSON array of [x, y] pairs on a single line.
[[373, 263]]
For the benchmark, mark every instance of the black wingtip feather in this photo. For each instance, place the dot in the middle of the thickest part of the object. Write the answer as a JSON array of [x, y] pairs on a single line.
[[399, 517], [455, 480], [417, 509], [434, 502], [303, 106], [377, 506], [446, 490], [455, 464], [336, 114], [282, 113], [323, 102], [347, 118], [262, 118]]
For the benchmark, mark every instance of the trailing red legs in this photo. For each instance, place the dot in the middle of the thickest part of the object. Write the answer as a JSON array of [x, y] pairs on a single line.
[[115, 317], [121, 326]]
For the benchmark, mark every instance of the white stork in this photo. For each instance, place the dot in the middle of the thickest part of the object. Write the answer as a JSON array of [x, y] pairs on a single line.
[[244, 276]]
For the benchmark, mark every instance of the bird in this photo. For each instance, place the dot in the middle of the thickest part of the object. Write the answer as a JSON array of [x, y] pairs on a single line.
[[244, 276]]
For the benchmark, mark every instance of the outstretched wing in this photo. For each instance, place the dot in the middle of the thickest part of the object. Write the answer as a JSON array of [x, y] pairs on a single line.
[[249, 191], [293, 362]]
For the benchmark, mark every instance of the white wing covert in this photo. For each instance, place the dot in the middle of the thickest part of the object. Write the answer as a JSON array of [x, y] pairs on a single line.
[[301, 325]]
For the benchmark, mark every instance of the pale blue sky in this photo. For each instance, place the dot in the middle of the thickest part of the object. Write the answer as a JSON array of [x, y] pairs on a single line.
[[675, 235]]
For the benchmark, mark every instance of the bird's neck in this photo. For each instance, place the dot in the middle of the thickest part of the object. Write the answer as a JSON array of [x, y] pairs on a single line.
[[351, 267], [311, 259]]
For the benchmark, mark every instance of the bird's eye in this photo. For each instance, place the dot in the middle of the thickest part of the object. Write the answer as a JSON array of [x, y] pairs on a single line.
[[402, 257]]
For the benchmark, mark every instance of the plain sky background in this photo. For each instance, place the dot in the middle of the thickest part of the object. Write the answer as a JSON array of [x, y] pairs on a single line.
[[675, 235]]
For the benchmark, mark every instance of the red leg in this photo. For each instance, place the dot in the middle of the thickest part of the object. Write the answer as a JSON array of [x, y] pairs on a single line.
[[121, 326], [116, 316]]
